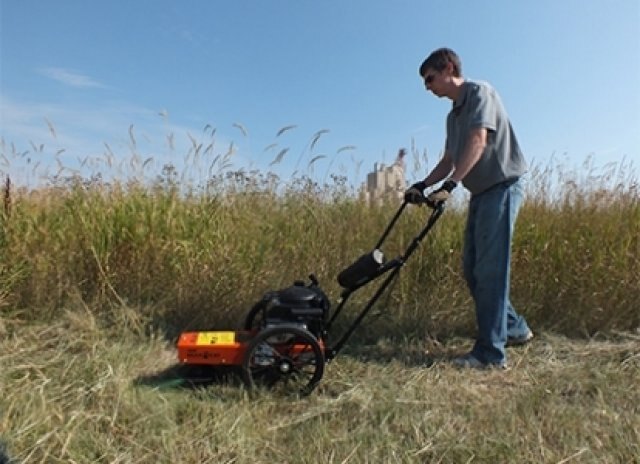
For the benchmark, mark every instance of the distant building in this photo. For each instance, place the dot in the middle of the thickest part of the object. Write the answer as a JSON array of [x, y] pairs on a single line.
[[386, 183]]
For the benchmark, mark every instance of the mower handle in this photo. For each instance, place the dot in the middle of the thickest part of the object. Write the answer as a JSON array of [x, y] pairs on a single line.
[[393, 267], [435, 205]]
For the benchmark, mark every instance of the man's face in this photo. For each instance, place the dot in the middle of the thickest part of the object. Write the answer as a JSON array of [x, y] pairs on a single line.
[[433, 81]]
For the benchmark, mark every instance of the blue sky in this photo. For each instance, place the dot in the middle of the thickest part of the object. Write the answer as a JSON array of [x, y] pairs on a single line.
[[98, 80]]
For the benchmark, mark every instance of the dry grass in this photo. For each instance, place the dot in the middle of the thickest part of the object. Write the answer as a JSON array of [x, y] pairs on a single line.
[[204, 258], [76, 391]]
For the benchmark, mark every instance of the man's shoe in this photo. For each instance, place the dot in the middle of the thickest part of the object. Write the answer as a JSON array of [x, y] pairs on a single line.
[[469, 361], [519, 341]]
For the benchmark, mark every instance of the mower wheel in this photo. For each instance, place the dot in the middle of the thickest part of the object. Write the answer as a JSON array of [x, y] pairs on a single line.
[[255, 317], [284, 358]]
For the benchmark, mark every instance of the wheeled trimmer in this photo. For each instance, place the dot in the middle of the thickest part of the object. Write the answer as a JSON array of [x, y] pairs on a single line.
[[285, 339]]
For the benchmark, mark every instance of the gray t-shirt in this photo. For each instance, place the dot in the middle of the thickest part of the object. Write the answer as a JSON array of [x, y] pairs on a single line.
[[479, 105]]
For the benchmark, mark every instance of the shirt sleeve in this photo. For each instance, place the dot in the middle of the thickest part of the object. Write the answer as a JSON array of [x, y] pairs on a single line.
[[482, 108]]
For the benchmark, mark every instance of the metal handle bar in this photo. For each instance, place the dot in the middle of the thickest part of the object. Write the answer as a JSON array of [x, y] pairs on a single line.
[[393, 266], [424, 200]]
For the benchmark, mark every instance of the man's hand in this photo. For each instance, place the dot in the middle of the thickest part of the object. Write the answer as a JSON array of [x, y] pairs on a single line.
[[415, 193], [443, 193]]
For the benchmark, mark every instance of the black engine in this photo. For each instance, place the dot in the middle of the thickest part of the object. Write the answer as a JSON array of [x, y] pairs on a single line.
[[302, 305]]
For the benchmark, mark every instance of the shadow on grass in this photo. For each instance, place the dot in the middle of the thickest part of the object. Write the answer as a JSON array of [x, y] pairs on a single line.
[[191, 377], [410, 356], [4, 455]]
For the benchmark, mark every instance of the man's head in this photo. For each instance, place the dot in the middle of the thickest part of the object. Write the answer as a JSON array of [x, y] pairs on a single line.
[[441, 71], [438, 61]]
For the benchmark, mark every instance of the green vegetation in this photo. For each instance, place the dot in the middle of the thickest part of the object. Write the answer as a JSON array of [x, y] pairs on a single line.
[[97, 279]]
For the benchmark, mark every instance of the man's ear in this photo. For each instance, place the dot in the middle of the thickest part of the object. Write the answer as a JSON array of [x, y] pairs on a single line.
[[449, 68]]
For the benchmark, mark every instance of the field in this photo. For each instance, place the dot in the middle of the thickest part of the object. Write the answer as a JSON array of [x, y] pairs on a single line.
[[97, 279]]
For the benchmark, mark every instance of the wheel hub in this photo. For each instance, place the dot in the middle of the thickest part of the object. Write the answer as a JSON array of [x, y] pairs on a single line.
[[285, 367]]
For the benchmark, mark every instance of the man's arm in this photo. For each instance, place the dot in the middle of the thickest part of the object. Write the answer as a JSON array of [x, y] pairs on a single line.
[[440, 171], [473, 150]]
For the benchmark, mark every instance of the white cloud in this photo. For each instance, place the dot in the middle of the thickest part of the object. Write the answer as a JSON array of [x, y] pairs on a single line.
[[70, 78]]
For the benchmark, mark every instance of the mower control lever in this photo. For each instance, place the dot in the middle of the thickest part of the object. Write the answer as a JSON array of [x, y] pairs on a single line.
[[430, 203]]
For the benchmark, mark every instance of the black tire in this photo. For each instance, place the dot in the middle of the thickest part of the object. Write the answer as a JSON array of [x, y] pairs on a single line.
[[255, 318], [285, 359]]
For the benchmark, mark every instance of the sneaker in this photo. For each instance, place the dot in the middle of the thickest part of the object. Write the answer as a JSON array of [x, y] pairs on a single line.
[[469, 361], [518, 341]]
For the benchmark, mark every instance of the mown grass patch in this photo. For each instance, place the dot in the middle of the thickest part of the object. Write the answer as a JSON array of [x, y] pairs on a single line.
[[75, 391]]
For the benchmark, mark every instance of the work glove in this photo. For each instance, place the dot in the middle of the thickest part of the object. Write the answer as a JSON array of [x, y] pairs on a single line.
[[443, 193], [415, 193]]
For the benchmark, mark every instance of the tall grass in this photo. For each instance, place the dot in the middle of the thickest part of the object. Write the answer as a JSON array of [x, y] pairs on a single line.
[[192, 256]]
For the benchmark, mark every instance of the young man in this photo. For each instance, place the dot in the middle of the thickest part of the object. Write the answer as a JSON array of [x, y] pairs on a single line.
[[482, 153]]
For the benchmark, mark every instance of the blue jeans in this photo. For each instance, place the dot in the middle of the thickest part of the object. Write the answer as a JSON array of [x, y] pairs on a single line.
[[487, 262]]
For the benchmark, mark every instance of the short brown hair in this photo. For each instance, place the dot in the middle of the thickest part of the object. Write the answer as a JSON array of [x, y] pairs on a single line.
[[439, 59]]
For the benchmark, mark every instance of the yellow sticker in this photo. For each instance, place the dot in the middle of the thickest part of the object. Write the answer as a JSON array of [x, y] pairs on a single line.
[[216, 338]]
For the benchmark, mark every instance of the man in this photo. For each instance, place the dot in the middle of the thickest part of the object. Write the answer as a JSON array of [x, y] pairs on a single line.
[[482, 153]]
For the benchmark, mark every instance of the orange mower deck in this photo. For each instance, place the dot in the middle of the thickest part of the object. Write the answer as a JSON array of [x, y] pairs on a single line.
[[221, 348]]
